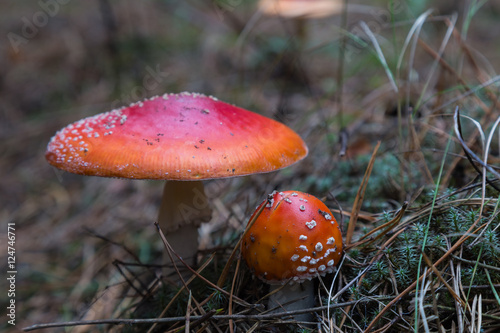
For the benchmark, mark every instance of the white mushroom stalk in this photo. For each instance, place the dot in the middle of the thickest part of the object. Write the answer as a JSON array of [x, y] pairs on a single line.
[[183, 208]]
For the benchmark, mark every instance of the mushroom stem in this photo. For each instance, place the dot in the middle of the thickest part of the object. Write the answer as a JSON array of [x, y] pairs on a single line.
[[184, 207], [291, 297]]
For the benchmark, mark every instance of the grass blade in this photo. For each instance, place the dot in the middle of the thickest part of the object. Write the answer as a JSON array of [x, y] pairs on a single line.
[[380, 54]]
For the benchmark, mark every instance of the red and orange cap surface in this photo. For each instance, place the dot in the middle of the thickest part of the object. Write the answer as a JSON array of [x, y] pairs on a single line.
[[294, 238], [184, 136]]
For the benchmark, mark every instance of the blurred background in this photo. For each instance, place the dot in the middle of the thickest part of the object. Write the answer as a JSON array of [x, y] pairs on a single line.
[[63, 60]]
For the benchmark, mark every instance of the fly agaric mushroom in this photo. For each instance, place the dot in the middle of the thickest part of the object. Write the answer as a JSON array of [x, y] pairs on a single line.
[[300, 8], [294, 239], [185, 137]]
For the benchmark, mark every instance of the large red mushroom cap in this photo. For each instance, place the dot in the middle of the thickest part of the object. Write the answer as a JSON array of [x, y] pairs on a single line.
[[184, 136], [294, 238]]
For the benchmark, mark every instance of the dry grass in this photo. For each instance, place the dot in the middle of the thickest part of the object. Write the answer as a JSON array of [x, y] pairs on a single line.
[[418, 255]]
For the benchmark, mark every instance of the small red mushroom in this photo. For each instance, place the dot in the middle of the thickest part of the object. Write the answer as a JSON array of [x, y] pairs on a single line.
[[295, 238]]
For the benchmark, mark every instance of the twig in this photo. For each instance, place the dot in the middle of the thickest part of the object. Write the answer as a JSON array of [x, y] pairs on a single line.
[[485, 315], [257, 317], [188, 313], [111, 38], [340, 79], [230, 306], [343, 139], [473, 262], [204, 318], [130, 283], [170, 250], [110, 241]]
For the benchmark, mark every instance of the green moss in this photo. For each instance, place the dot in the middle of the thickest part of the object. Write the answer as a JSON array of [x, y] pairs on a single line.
[[399, 261], [344, 178]]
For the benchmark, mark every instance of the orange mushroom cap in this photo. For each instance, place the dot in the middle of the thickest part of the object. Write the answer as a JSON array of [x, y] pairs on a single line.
[[300, 8], [184, 136], [295, 237]]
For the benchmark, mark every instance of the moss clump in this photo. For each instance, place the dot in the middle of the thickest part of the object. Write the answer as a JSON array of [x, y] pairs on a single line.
[[395, 267], [344, 177]]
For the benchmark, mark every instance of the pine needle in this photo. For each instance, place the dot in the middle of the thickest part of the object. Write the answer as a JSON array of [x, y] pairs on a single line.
[[358, 201]]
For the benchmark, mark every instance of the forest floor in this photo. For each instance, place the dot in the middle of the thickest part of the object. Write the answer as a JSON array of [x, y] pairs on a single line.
[[86, 248]]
